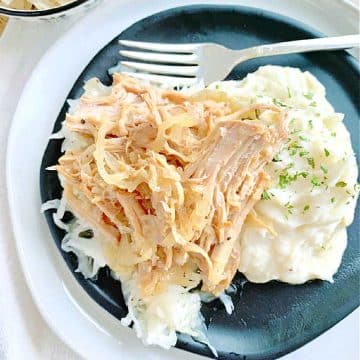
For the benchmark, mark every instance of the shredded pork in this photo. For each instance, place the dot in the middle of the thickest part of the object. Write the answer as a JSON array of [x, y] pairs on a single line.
[[168, 179]]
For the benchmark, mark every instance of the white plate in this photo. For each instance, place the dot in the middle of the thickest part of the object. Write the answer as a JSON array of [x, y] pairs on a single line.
[[72, 314]]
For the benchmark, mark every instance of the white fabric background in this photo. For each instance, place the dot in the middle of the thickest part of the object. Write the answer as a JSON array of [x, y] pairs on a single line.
[[23, 332]]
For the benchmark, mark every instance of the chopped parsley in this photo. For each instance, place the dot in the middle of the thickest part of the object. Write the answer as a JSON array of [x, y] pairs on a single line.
[[323, 169], [293, 148], [303, 138], [311, 162], [217, 86], [303, 153], [306, 208], [333, 134], [289, 92], [285, 179], [289, 207], [326, 152], [340, 184], [294, 145], [332, 200], [313, 103], [315, 181], [304, 174], [309, 95], [310, 122], [266, 195], [276, 158], [278, 102]]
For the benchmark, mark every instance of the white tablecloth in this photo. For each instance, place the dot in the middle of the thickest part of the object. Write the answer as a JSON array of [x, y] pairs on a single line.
[[23, 332]]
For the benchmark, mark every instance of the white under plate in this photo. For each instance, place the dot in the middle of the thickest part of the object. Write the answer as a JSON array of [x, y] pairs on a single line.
[[73, 315]]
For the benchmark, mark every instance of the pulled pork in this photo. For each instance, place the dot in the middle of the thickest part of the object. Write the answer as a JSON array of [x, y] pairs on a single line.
[[168, 179]]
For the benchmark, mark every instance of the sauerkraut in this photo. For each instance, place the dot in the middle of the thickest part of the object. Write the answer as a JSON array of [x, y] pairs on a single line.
[[168, 179]]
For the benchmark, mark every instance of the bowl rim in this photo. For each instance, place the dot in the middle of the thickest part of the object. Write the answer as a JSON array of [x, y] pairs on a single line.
[[40, 13]]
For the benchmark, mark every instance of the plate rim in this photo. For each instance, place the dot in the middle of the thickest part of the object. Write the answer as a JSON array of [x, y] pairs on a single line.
[[10, 190]]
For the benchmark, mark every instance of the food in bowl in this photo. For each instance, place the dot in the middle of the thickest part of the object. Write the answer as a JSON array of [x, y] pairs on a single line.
[[39, 9], [33, 4], [3, 22], [176, 191]]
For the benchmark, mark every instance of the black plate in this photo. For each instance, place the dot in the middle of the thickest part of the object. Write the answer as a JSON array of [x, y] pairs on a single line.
[[270, 319]]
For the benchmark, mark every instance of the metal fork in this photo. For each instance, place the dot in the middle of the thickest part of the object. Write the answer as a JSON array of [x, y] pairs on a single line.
[[209, 62]]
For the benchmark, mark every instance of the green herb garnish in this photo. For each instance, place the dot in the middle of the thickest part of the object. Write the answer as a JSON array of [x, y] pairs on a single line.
[[309, 95], [276, 158], [285, 180], [303, 153], [289, 92], [304, 174], [324, 169], [303, 138], [294, 145], [326, 152], [289, 207], [311, 162], [293, 148], [278, 102], [265, 195], [315, 181], [340, 184]]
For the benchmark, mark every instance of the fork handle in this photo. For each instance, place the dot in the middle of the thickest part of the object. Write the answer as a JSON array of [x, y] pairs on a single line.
[[299, 46]]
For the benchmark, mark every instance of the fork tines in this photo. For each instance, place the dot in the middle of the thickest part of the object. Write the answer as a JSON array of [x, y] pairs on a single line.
[[184, 74]]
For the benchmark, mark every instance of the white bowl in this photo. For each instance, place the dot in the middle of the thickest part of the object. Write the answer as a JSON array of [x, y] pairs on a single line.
[[70, 8]]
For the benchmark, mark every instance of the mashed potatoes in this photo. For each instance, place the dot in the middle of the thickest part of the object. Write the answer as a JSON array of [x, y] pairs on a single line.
[[298, 231]]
